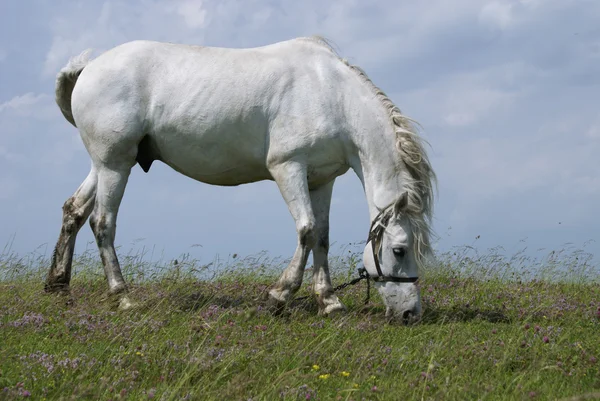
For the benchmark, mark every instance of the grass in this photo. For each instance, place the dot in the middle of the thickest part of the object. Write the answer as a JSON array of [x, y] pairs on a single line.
[[493, 328]]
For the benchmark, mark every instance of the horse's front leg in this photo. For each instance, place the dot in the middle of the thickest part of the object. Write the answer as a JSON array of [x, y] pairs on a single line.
[[321, 281], [291, 179]]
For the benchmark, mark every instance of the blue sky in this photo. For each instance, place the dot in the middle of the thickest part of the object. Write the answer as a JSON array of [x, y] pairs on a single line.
[[507, 92]]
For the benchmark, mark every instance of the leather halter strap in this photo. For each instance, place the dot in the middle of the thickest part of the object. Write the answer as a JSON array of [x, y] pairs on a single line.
[[375, 235]]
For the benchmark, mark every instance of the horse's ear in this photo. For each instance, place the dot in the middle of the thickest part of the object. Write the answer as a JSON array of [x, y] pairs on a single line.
[[401, 204]]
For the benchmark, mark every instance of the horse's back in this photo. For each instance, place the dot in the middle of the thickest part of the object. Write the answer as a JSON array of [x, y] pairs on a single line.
[[166, 81]]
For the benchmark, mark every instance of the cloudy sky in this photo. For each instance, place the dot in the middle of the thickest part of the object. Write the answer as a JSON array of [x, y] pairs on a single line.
[[507, 92]]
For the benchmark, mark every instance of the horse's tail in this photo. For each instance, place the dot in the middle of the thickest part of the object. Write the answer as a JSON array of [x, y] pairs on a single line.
[[65, 82]]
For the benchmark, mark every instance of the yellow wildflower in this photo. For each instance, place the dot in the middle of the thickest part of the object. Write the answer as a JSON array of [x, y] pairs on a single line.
[[139, 353], [345, 374], [315, 367], [324, 377], [355, 385]]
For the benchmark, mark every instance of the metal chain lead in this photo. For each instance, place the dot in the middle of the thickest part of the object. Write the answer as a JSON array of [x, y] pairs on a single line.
[[362, 275]]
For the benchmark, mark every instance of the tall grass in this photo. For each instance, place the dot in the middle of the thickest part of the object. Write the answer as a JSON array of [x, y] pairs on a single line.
[[494, 327]]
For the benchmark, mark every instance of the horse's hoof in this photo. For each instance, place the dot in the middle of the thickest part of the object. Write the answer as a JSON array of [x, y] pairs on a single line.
[[250, 313], [56, 288], [275, 306], [333, 310], [120, 300], [126, 304]]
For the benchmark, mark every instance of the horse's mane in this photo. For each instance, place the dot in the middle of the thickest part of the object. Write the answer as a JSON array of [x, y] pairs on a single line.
[[412, 152]]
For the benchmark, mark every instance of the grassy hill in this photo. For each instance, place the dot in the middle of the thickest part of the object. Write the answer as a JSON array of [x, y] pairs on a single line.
[[492, 328]]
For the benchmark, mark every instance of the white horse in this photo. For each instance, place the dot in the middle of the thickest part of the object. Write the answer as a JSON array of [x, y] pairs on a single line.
[[293, 112]]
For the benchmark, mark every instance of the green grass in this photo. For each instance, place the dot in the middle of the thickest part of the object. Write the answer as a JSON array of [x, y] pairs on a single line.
[[486, 334]]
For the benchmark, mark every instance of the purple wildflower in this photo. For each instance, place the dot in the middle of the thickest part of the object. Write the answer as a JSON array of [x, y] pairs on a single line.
[[32, 319]]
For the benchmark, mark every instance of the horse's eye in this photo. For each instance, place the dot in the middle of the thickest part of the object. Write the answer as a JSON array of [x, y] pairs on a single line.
[[399, 251]]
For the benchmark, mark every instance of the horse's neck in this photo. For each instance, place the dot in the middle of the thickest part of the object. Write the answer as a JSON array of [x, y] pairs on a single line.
[[378, 165]]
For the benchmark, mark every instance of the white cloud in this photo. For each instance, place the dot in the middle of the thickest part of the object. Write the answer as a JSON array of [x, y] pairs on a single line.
[[8, 155], [506, 14], [261, 17], [22, 102], [470, 98], [9, 186], [460, 119], [60, 51], [33, 133], [30, 105], [557, 161], [119, 21], [593, 131], [470, 105], [192, 12], [497, 14]]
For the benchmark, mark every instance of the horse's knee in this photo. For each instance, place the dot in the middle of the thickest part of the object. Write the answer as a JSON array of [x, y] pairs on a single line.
[[307, 234]]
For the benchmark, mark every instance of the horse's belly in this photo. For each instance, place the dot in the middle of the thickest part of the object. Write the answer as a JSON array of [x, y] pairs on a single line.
[[219, 174], [233, 176], [217, 163]]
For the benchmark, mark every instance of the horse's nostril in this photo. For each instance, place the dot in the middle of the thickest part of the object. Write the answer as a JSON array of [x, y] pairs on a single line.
[[406, 316]]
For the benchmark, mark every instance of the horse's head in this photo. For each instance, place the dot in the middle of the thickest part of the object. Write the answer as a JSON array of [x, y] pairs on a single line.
[[391, 260]]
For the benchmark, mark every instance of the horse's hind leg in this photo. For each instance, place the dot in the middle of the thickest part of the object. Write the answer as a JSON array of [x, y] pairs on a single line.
[[76, 210], [111, 187]]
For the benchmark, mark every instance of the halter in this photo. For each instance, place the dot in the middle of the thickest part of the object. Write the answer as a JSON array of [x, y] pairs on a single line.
[[375, 236]]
